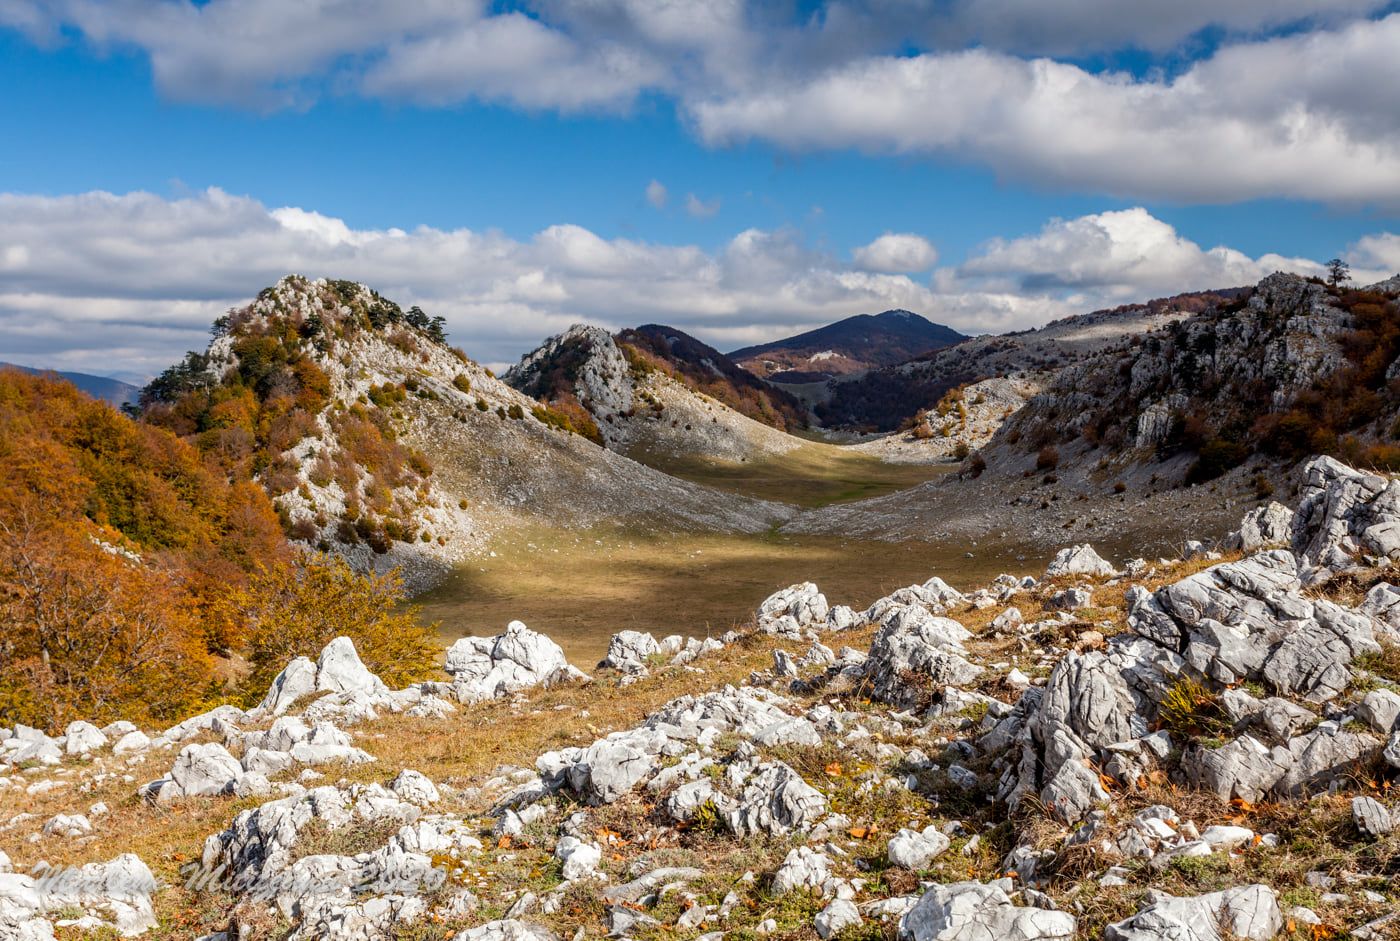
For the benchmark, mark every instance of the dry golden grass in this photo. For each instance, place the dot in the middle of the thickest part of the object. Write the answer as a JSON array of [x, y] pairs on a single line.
[[467, 748]]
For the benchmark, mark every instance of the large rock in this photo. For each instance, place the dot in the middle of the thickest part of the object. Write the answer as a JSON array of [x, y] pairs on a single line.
[[340, 670], [836, 917], [580, 859], [910, 849], [1380, 709], [1249, 620], [1073, 792], [745, 711], [628, 652], [776, 800], [83, 737], [1383, 603], [1244, 768], [1371, 816], [611, 767], [120, 890], [347, 689], [1266, 527], [297, 679], [913, 653], [487, 668], [971, 911], [1245, 912], [1344, 515], [1079, 560], [225, 715], [508, 930], [1092, 700], [415, 787], [205, 770], [803, 603], [803, 870]]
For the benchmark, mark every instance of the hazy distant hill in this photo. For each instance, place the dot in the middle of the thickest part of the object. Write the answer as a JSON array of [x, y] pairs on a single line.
[[113, 391], [847, 346]]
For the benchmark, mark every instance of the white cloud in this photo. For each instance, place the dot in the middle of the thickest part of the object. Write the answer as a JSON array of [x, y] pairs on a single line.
[[1076, 27], [699, 209], [1376, 252], [97, 282], [656, 195], [1310, 114], [1305, 116], [897, 252]]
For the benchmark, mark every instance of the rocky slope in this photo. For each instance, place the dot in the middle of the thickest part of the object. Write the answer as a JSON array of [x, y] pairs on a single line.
[[638, 407], [1288, 368], [708, 371], [379, 442], [883, 398], [1194, 748]]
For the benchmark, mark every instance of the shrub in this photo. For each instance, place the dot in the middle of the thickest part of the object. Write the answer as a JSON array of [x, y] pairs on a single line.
[[1216, 457], [462, 383], [295, 611], [1190, 709], [1048, 458]]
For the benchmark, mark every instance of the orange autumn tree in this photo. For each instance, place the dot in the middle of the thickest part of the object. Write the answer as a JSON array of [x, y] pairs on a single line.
[[295, 610], [115, 540]]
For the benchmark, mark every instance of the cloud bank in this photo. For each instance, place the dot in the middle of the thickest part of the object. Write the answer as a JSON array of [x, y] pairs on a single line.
[[100, 282], [1296, 101]]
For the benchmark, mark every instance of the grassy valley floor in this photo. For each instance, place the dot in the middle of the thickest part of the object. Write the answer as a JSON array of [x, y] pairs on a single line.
[[582, 587]]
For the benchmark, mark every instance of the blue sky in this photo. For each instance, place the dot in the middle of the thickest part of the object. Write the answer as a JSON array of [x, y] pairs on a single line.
[[740, 171]]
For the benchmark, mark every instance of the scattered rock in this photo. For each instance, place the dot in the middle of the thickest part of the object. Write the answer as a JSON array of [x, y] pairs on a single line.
[[1078, 560], [1246, 912], [837, 916], [911, 849], [488, 668], [1370, 816], [971, 911]]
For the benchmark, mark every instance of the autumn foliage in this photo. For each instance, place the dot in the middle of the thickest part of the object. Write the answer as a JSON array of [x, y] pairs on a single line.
[[294, 611], [116, 538], [131, 566]]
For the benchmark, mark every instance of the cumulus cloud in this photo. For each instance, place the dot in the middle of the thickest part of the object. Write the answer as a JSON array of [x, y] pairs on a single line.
[[894, 253], [699, 209], [1296, 101], [656, 195], [1303, 116], [92, 280], [97, 282]]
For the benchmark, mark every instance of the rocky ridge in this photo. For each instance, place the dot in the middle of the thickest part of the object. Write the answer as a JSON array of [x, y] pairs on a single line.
[[639, 410], [1199, 746], [481, 457]]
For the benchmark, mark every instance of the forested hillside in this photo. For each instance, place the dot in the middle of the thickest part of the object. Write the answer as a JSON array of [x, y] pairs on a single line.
[[116, 541]]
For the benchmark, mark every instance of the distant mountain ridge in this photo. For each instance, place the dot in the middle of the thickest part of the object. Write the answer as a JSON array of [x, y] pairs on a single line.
[[861, 342], [112, 391]]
